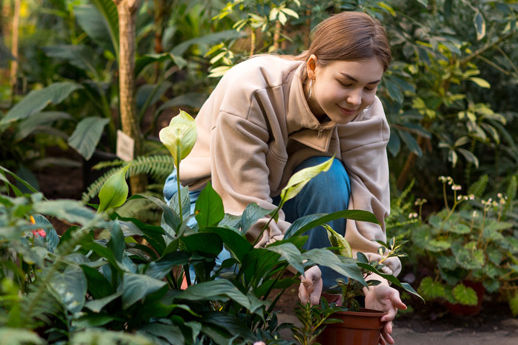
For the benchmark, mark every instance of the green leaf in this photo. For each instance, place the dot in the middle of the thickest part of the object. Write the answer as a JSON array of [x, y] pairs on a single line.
[[480, 25], [465, 295], [70, 286], [309, 222], [410, 142], [98, 304], [36, 100], [233, 241], [117, 244], [44, 118], [345, 267], [105, 337], [430, 289], [87, 134], [298, 180], [513, 304], [220, 290], [137, 286], [98, 286], [468, 257], [114, 191], [209, 207], [290, 253], [72, 211], [80, 56], [251, 215], [18, 336], [338, 241], [470, 157], [110, 18], [206, 243], [170, 333], [480, 82], [180, 136], [159, 269]]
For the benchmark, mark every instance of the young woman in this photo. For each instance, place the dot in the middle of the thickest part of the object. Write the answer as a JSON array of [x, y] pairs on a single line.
[[271, 116]]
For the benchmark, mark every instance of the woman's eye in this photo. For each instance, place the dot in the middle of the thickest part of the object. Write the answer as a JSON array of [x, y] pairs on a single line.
[[345, 84]]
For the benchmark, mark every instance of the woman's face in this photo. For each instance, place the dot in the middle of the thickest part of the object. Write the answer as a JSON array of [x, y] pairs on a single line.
[[342, 89]]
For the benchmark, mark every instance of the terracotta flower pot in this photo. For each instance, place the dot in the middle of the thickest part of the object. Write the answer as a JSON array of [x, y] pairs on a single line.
[[358, 328]]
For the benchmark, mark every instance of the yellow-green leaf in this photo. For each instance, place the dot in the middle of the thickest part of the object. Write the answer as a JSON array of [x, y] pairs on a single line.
[[480, 82], [179, 137], [339, 242], [114, 191], [301, 178]]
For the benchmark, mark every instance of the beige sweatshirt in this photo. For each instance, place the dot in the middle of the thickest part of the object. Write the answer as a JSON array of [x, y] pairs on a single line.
[[256, 126]]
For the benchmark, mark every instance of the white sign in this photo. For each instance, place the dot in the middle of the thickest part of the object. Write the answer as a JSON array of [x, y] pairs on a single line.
[[125, 146]]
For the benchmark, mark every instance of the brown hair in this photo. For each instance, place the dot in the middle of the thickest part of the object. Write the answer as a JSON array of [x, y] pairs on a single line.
[[349, 36]]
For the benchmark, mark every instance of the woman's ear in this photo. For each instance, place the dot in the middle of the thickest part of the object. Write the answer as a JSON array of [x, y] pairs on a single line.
[[311, 66]]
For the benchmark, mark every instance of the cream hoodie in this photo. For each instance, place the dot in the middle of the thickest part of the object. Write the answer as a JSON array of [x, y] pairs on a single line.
[[256, 127]]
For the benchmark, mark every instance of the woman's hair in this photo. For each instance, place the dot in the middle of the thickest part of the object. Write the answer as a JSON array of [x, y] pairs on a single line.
[[349, 36]]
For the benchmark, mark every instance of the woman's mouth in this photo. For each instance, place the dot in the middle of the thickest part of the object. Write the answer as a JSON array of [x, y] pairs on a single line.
[[348, 112]]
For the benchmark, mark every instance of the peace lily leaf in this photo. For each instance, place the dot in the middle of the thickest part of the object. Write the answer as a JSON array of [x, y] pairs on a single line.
[[170, 334], [324, 257], [114, 191], [87, 134], [290, 253], [251, 215], [138, 286], [36, 100], [179, 137], [105, 337], [338, 241], [71, 288], [209, 207], [70, 210], [301, 178], [219, 289], [98, 304]]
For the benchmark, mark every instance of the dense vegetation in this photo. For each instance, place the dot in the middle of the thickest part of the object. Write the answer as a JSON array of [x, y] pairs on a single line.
[[69, 83]]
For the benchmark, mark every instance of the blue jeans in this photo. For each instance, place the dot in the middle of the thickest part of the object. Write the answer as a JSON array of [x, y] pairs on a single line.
[[326, 193]]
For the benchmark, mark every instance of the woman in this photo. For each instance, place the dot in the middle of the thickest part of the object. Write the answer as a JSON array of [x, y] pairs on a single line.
[[271, 116]]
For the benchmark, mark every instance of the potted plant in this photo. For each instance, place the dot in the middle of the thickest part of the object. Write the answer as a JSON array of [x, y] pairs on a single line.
[[340, 319]]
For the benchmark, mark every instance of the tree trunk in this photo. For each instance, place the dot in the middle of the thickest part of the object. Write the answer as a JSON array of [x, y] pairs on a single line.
[[14, 48], [127, 10]]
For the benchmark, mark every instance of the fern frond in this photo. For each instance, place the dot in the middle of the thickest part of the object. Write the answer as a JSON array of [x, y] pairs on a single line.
[[17, 336], [159, 167], [108, 164]]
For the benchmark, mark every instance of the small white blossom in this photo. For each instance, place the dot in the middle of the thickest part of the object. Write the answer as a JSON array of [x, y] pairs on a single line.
[[456, 187]]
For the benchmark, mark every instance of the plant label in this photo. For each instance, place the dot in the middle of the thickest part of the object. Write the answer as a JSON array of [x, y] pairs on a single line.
[[125, 146]]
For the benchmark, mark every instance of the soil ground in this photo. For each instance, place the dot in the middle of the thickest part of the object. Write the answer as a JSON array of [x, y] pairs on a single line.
[[427, 325]]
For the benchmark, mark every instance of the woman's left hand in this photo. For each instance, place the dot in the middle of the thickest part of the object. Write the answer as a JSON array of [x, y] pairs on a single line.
[[384, 298]]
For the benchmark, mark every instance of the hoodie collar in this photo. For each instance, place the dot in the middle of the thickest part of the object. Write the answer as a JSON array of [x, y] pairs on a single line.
[[301, 123]]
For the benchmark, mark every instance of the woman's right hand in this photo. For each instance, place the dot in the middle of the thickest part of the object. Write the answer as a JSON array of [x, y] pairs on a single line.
[[310, 287]]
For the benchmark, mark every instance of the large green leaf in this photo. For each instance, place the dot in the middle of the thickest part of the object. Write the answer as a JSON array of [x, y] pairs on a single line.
[[235, 242], [220, 290], [251, 215], [87, 134], [70, 286], [101, 22], [44, 118], [209, 207], [138, 286], [231, 323], [206, 243], [104, 337], [70, 210], [97, 305], [309, 222], [117, 244], [430, 289], [344, 266], [114, 191], [80, 56], [169, 333], [36, 100], [192, 99], [290, 253], [98, 286], [159, 269]]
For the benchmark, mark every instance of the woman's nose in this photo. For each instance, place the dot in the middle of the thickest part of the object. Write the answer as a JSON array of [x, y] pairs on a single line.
[[354, 97]]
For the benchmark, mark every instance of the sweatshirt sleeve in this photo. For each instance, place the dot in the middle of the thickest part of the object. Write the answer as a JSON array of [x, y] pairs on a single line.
[[239, 146], [363, 145]]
